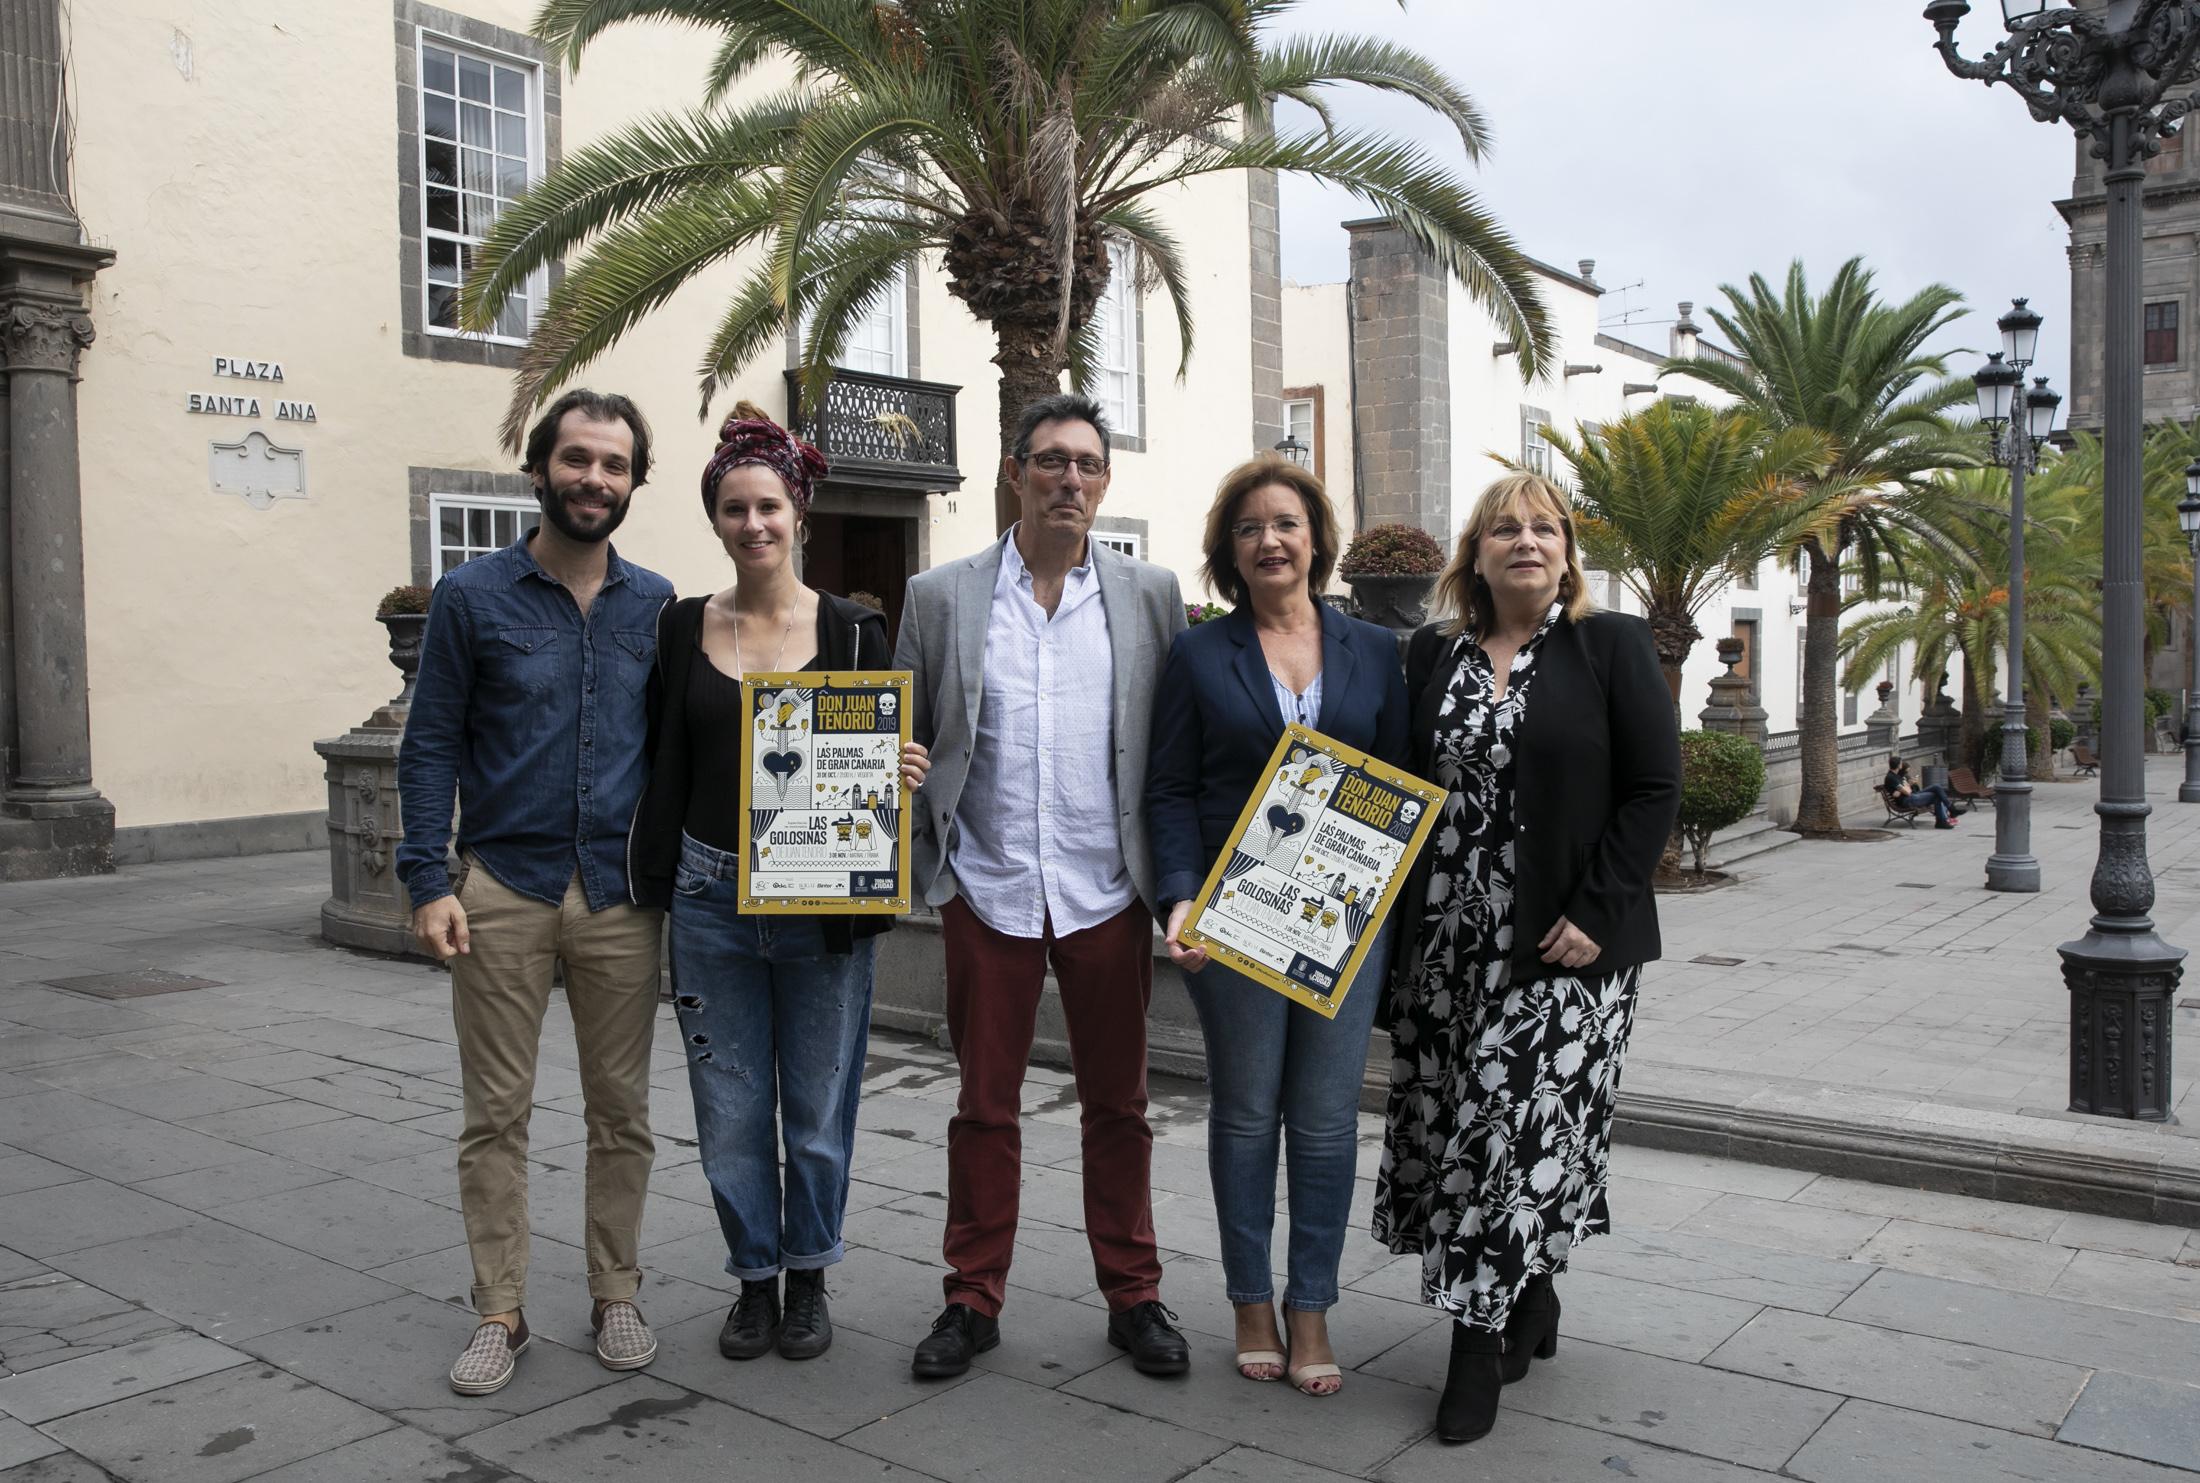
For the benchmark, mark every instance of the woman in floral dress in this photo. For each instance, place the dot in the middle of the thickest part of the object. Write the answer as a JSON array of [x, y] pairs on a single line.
[[1523, 935]]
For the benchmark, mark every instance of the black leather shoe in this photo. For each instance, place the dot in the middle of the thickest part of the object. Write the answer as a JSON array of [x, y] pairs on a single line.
[[1147, 1332], [808, 1330], [752, 1328], [1532, 1331], [959, 1335], [1467, 1410]]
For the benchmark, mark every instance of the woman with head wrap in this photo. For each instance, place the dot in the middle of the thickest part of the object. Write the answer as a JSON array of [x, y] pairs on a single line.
[[774, 1010]]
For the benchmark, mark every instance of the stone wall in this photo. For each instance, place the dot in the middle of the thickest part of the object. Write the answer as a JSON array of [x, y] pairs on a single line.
[[1863, 763]]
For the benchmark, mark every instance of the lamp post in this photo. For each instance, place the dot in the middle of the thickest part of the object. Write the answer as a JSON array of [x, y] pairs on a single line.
[[1296, 451], [2109, 71], [2017, 423], [2188, 521]]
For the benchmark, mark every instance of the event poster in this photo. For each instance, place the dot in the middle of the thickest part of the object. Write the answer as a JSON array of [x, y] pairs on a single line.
[[828, 825], [1318, 857]]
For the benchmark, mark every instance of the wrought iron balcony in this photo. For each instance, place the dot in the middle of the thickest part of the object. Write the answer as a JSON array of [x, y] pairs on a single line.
[[882, 430]]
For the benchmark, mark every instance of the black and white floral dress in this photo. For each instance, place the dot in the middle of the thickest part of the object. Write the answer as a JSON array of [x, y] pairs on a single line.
[[1500, 1111]]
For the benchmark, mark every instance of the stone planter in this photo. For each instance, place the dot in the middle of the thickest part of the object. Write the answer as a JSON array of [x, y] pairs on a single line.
[[1397, 603], [367, 905]]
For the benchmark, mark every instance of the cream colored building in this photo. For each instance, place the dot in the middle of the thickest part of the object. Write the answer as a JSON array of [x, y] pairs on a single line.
[[275, 428]]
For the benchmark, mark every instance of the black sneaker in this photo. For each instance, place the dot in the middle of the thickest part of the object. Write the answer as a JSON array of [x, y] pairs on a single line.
[[752, 1328], [959, 1335], [808, 1330], [1147, 1331]]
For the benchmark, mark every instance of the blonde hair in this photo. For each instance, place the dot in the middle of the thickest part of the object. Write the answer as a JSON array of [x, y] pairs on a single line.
[[1462, 595]]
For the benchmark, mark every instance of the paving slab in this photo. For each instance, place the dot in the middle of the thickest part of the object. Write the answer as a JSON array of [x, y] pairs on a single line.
[[1734, 1418], [395, 1357], [2122, 1237], [1727, 1269], [558, 1301], [140, 1149], [66, 1217], [216, 1429], [1871, 1443], [1755, 1221], [1530, 1449], [1968, 1256], [59, 1466], [2126, 1282], [1056, 1438], [861, 1379], [226, 1283], [2013, 1392], [185, 1094], [1932, 1207], [400, 1455], [21, 1444], [249, 1177], [1648, 1316], [642, 1428], [345, 1144], [1370, 1421], [24, 1171], [2157, 1420], [113, 1375], [352, 1224]]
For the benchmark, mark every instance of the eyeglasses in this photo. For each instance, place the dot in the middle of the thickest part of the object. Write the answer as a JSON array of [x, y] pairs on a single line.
[[1509, 530], [1055, 463], [1285, 527]]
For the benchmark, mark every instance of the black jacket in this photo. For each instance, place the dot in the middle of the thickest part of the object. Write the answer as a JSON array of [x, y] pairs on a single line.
[[849, 636], [1596, 792]]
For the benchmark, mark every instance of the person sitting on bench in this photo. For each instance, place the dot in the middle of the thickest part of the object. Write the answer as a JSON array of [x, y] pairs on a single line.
[[1902, 794]]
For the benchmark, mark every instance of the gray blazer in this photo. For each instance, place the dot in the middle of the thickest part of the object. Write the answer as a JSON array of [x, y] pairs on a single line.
[[944, 616]]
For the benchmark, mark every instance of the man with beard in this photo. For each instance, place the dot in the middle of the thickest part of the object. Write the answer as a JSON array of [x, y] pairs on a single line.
[[532, 707]]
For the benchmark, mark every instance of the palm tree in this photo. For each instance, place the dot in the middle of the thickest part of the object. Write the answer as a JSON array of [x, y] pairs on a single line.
[[1853, 368], [1678, 499], [1956, 600], [1012, 138]]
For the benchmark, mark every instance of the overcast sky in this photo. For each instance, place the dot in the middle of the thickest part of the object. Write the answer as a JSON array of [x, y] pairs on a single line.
[[1688, 144]]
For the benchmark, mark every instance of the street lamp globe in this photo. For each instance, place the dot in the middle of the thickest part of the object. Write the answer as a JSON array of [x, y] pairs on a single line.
[[1296, 451], [2040, 404], [2013, 11], [2188, 509], [1997, 384], [2020, 334]]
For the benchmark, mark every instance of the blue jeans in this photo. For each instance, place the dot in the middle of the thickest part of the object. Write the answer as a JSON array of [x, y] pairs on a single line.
[[772, 1022], [1932, 796], [1273, 1066]]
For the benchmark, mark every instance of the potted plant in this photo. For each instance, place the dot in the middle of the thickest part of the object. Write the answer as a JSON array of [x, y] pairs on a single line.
[[1391, 568], [404, 612]]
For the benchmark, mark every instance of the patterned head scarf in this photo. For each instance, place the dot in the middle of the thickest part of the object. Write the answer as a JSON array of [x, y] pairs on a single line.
[[751, 437]]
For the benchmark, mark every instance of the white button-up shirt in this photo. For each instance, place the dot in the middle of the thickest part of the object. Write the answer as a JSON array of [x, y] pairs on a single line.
[[1039, 842]]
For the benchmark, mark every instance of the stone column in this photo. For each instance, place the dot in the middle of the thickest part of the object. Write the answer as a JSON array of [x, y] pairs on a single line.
[[1884, 726], [1398, 312], [1940, 728]]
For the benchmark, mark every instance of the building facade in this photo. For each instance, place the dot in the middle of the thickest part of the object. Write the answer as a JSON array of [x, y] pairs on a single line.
[[280, 420], [2169, 214]]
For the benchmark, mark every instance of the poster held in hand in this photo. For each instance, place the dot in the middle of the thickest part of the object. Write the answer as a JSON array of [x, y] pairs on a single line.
[[1318, 858], [825, 818]]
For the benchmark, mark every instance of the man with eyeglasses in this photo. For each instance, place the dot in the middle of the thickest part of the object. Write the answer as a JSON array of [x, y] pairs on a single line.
[[1034, 665]]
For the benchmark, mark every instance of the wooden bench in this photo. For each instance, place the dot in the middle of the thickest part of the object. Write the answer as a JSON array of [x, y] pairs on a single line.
[[1896, 813], [2082, 758], [1964, 787]]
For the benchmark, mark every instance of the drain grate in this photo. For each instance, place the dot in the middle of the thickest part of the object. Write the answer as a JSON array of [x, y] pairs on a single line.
[[138, 985], [1917, 885], [1713, 960]]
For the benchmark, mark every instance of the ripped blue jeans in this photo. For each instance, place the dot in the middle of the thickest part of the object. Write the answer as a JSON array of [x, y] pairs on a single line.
[[772, 1024]]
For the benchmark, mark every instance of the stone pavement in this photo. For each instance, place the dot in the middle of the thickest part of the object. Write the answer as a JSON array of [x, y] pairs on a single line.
[[1877, 999], [229, 1250]]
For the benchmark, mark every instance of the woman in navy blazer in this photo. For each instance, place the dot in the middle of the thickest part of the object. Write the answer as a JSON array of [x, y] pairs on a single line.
[[1228, 689]]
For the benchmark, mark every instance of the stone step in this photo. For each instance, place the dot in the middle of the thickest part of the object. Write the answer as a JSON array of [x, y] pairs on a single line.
[[1753, 836]]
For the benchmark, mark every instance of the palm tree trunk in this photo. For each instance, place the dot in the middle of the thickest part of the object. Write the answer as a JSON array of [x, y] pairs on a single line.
[[1974, 719], [1031, 368], [2042, 769], [1674, 633], [1819, 809]]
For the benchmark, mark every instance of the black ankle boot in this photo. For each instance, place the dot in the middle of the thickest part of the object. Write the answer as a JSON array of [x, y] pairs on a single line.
[[1533, 1328], [1468, 1408], [808, 1329]]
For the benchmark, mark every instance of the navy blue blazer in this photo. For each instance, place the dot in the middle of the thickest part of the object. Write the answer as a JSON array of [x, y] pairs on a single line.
[[1215, 722]]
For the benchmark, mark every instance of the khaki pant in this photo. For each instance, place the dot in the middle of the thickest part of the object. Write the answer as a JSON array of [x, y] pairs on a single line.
[[499, 992]]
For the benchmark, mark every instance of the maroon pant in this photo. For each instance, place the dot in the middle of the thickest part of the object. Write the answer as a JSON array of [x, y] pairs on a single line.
[[1105, 974]]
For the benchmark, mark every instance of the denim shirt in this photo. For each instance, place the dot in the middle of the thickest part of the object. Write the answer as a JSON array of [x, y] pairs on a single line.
[[538, 719]]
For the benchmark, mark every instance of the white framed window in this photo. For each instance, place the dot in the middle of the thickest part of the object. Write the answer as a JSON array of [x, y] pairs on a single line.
[[480, 147], [1115, 319], [1129, 542], [1801, 638], [1535, 449], [470, 525], [1298, 424], [877, 341]]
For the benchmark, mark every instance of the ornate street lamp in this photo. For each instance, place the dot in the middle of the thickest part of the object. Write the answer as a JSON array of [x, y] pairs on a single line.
[[2188, 521], [2120, 74], [2017, 423], [1296, 451]]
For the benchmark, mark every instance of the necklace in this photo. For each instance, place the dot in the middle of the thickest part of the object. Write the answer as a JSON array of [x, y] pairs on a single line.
[[776, 658]]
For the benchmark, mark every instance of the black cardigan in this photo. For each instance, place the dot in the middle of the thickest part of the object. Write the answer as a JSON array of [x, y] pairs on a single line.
[[849, 636], [1596, 791]]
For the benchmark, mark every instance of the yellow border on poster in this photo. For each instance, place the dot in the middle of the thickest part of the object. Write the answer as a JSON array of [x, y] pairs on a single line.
[[1322, 1004], [896, 680]]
